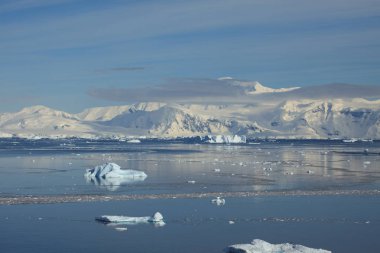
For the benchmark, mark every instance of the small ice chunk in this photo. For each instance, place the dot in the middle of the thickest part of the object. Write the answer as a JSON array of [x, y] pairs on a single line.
[[367, 162], [157, 217], [260, 246], [121, 229], [191, 182], [216, 170], [218, 201], [231, 222], [134, 141]]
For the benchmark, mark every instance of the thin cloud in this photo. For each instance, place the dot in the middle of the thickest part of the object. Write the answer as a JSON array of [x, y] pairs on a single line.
[[16, 5], [208, 91], [174, 90], [127, 68], [119, 69]]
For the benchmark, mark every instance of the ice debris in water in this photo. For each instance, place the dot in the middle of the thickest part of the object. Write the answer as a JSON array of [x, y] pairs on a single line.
[[134, 141], [121, 229], [260, 246], [112, 170], [191, 182], [218, 201], [156, 219]]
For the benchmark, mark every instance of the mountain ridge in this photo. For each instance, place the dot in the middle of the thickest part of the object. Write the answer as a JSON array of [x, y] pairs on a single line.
[[317, 118], [355, 118]]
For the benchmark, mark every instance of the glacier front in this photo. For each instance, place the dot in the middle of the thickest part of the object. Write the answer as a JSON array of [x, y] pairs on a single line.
[[228, 139]]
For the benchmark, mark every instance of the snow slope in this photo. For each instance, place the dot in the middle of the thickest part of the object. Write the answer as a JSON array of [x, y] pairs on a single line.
[[289, 118]]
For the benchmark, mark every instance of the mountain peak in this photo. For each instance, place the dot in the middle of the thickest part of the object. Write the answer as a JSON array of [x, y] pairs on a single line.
[[35, 109]]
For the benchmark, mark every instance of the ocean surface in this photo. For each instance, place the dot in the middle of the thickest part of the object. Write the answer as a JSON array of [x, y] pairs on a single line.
[[55, 168]]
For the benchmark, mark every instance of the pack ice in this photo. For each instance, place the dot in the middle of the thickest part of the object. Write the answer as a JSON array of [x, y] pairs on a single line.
[[156, 218], [111, 176], [260, 246]]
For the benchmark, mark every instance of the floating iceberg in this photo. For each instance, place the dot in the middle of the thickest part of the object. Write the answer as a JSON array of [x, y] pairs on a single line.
[[156, 219], [111, 176], [134, 141], [260, 246], [218, 201], [228, 139]]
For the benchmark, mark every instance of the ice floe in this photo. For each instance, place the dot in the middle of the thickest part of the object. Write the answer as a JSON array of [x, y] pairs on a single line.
[[156, 219], [121, 229], [134, 141], [260, 246]]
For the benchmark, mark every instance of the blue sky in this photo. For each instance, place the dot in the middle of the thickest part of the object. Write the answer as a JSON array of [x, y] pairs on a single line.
[[52, 52]]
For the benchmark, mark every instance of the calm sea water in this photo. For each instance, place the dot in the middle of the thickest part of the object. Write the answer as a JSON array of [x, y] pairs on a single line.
[[338, 223], [341, 224], [57, 169]]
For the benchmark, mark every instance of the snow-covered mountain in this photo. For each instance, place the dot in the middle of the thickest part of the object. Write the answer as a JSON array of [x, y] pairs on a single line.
[[281, 118]]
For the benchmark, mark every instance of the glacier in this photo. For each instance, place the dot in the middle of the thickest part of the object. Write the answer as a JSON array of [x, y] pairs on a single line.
[[260, 246]]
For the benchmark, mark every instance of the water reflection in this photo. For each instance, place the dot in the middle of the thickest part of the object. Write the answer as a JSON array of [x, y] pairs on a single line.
[[214, 168], [113, 183]]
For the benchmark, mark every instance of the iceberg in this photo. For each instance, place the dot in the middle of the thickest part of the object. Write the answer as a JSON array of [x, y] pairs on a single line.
[[227, 139], [218, 201], [260, 246], [134, 141], [111, 176], [157, 219]]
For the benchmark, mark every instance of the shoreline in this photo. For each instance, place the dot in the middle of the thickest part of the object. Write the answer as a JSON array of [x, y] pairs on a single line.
[[56, 199]]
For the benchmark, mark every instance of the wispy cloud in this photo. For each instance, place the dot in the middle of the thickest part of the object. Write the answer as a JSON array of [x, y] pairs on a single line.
[[209, 91], [174, 90], [58, 45], [16, 5], [119, 69], [142, 20]]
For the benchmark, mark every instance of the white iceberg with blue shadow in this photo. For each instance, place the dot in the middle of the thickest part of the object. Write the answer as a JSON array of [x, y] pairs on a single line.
[[260, 246], [111, 176]]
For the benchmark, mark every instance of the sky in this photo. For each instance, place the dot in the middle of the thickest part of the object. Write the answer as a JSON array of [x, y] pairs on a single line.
[[57, 52]]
